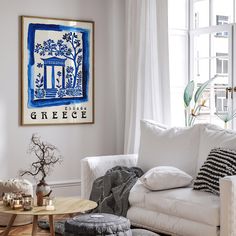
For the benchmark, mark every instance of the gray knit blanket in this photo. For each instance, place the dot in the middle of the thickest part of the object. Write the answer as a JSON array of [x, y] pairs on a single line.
[[111, 191]]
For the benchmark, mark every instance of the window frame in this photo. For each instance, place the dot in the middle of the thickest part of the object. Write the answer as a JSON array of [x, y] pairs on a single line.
[[231, 29]]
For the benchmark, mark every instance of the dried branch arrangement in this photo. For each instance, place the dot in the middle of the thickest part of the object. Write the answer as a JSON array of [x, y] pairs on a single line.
[[47, 156]]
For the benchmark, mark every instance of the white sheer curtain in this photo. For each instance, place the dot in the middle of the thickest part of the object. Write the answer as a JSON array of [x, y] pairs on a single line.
[[147, 67]]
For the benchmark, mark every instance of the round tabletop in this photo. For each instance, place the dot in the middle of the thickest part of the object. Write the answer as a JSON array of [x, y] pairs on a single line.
[[63, 205]]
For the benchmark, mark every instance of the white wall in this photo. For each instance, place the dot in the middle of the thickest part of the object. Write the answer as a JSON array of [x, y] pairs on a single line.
[[74, 141]]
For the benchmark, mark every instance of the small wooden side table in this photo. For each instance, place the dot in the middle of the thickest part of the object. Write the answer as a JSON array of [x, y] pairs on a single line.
[[63, 206]]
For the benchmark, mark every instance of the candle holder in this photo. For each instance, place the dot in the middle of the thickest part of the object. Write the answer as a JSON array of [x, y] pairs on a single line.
[[28, 202], [17, 202], [7, 198], [50, 204], [11, 203]]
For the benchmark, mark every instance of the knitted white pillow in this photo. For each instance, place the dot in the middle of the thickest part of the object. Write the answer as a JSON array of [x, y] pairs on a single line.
[[16, 185]]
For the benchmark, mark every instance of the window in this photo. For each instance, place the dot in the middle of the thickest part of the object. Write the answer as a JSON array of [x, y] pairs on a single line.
[[211, 54], [202, 45], [221, 63]]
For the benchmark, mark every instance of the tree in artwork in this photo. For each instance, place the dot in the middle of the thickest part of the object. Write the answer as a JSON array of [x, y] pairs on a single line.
[[68, 47]]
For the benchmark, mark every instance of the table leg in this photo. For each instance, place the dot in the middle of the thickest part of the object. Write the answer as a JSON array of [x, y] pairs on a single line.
[[51, 224], [35, 225], [8, 228]]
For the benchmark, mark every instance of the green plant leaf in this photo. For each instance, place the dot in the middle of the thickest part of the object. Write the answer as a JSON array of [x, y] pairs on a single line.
[[188, 93], [201, 89], [227, 116]]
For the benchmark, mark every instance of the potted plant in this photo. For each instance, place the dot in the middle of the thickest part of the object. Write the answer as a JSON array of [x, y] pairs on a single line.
[[191, 112], [47, 156]]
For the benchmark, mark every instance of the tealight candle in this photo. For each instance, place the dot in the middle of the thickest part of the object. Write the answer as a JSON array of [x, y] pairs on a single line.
[[16, 204], [50, 208], [49, 205]]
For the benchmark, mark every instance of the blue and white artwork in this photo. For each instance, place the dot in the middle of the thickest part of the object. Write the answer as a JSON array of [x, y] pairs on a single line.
[[58, 70]]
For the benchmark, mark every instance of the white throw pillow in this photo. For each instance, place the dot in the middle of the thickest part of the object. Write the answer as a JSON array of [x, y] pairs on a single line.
[[214, 137], [165, 177], [176, 147]]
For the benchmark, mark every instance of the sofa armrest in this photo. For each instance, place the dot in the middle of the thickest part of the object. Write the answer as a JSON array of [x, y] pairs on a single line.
[[228, 206], [94, 167]]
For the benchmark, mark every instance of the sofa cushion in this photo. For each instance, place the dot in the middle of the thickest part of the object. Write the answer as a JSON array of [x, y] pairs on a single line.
[[168, 224], [184, 203], [214, 137], [143, 232], [221, 162], [165, 177], [176, 147]]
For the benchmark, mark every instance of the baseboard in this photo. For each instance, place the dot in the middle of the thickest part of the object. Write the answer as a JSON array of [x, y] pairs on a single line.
[[65, 183], [65, 187]]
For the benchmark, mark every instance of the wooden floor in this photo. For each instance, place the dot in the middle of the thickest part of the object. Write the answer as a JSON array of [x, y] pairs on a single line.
[[26, 230]]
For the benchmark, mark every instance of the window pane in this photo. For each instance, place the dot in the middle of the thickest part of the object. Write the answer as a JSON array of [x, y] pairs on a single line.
[[221, 63], [201, 70], [225, 67], [177, 14], [200, 13], [219, 52], [222, 12], [218, 66], [219, 105], [201, 57], [212, 61], [201, 46]]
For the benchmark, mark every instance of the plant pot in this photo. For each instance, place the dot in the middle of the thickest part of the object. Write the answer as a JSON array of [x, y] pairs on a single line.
[[42, 190]]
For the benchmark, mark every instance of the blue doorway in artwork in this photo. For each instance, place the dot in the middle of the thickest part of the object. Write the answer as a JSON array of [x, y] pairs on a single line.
[[53, 62]]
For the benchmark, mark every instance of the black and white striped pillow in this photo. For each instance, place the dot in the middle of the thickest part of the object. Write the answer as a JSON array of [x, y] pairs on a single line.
[[219, 163]]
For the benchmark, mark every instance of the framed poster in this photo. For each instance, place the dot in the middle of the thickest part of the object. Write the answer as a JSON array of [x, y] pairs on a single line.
[[57, 71]]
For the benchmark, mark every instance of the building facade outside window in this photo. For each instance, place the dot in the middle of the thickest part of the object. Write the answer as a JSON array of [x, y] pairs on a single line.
[[222, 20], [221, 63]]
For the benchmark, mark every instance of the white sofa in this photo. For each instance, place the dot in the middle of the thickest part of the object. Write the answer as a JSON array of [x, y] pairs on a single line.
[[180, 211]]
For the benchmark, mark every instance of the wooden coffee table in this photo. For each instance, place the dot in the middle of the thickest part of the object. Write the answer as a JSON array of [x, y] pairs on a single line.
[[63, 205]]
